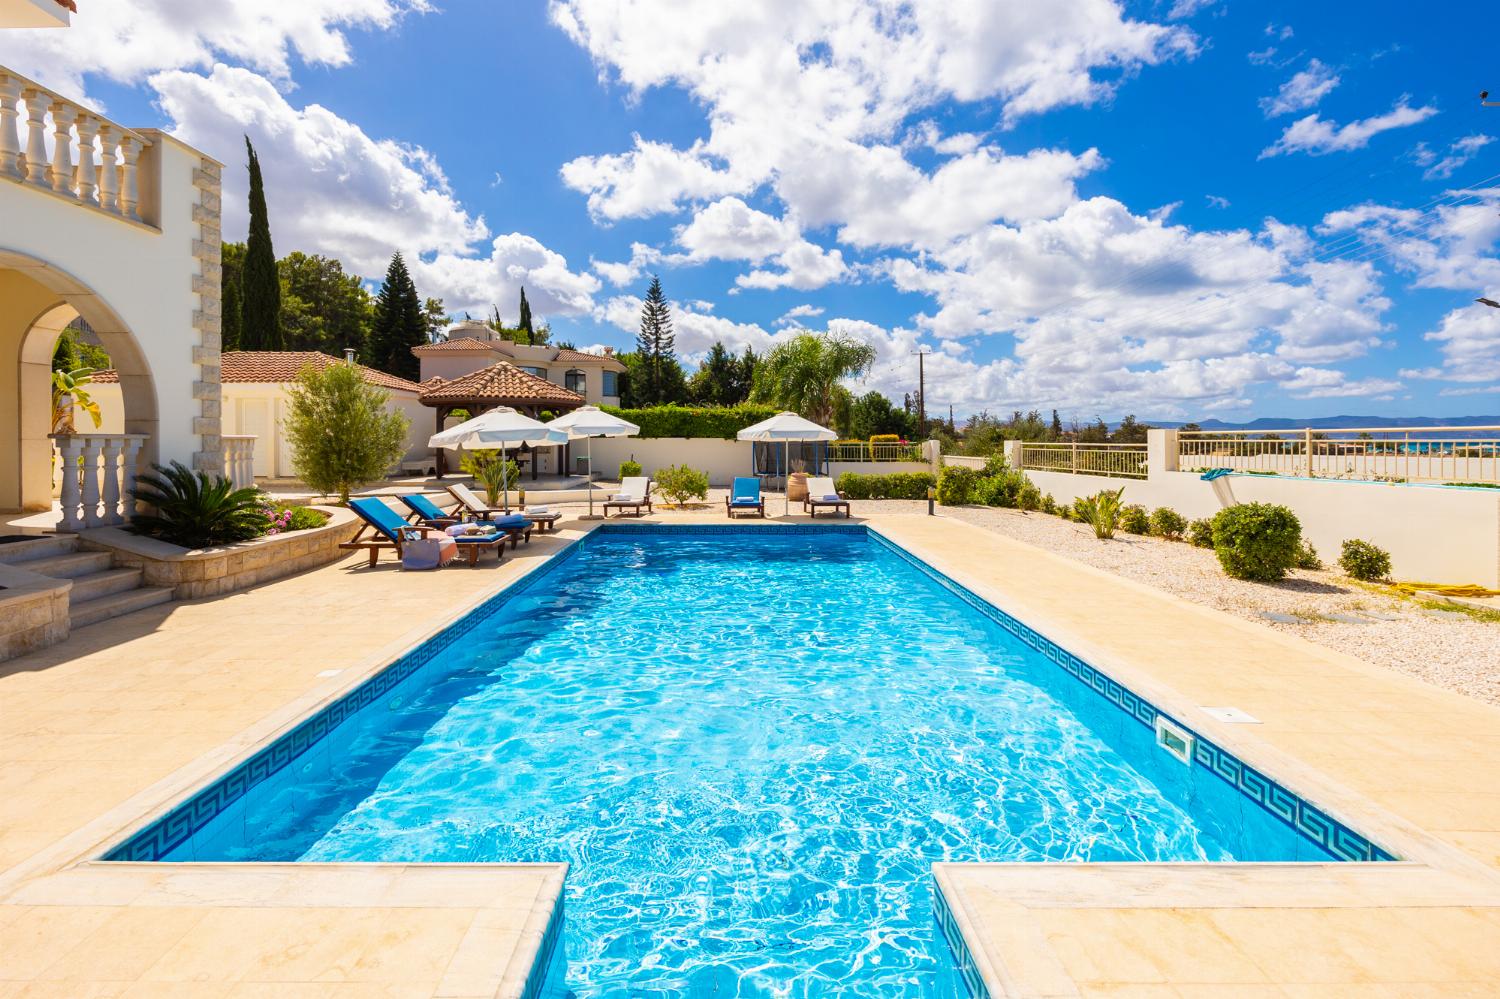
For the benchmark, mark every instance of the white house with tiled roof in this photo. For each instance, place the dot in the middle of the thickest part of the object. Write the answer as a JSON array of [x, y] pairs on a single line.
[[471, 346], [256, 401]]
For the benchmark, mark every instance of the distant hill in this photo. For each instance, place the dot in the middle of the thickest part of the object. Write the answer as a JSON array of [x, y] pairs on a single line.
[[1322, 422]]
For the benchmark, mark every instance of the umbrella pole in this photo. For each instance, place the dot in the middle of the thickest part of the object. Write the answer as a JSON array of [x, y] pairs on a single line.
[[504, 478], [590, 486], [786, 478]]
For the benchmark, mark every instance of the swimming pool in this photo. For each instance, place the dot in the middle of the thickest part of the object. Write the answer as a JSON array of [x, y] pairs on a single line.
[[750, 745]]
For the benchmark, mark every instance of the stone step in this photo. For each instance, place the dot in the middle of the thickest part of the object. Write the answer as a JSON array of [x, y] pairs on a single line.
[[102, 584], [70, 566], [103, 608], [41, 546]]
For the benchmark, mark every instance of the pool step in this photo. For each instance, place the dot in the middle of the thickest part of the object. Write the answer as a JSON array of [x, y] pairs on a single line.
[[114, 604], [70, 566]]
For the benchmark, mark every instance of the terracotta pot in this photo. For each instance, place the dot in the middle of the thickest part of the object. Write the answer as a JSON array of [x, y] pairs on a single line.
[[796, 487]]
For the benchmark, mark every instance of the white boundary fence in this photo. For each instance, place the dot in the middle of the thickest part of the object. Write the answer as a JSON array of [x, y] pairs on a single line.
[[1434, 532]]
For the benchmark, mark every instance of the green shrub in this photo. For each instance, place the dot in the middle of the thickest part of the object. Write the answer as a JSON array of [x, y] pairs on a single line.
[[341, 432], [679, 483], [693, 421], [1030, 497], [493, 471], [1003, 488], [194, 511], [956, 485], [995, 464], [1168, 523], [1101, 511], [1307, 556], [629, 468], [885, 438], [1048, 504], [897, 485], [1201, 533], [1134, 519], [1365, 561], [1256, 541], [288, 517]]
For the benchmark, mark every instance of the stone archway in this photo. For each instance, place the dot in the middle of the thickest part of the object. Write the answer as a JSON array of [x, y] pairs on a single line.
[[36, 302]]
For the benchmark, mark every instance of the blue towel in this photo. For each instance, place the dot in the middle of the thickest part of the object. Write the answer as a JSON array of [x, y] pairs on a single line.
[[1216, 473]]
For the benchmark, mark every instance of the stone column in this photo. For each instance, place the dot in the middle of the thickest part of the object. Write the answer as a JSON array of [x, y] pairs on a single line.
[[36, 139], [88, 177], [112, 447], [62, 148], [70, 446], [128, 469], [92, 446], [11, 164]]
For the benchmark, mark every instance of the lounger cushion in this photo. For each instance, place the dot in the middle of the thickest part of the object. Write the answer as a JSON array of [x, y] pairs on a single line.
[[833, 498], [743, 501], [479, 539], [511, 520]]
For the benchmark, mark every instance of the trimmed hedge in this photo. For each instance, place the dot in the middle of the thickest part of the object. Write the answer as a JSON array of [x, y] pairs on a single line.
[[897, 485], [722, 422], [1365, 561], [1257, 541]]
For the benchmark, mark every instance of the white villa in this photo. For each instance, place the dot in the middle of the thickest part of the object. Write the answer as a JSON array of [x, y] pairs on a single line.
[[79, 196], [472, 345]]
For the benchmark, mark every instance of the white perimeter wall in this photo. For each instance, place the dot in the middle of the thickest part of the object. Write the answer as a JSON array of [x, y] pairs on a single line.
[[1434, 533]]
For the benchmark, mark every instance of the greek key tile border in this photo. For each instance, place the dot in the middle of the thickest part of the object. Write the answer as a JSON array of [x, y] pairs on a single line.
[[962, 957], [1297, 813]]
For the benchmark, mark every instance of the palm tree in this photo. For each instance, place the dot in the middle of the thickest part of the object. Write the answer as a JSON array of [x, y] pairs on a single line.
[[803, 374]]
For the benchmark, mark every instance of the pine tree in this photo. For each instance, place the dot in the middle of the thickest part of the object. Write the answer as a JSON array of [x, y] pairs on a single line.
[[524, 323], [400, 323], [260, 286], [230, 323], [656, 345], [1057, 430]]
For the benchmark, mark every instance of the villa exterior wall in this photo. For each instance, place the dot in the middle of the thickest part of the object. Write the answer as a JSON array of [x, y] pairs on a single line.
[[721, 459], [1434, 533], [258, 409]]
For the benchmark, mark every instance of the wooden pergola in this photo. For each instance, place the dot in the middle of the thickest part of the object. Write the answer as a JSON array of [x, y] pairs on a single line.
[[500, 384]]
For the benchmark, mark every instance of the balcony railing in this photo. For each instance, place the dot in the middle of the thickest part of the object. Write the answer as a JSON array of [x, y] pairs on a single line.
[[1126, 461], [1454, 455], [861, 451], [69, 150], [98, 473]]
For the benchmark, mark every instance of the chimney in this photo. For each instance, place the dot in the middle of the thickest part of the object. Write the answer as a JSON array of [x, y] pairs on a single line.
[[348, 355]]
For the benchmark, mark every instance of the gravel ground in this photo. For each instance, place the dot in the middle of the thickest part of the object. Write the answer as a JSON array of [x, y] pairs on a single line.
[[1446, 648]]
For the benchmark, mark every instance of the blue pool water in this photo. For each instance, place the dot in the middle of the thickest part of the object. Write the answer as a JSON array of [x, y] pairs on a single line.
[[750, 749]]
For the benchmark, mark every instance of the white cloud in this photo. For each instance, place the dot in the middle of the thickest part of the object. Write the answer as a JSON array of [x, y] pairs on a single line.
[[1450, 246], [1216, 201], [335, 190], [129, 41], [808, 98], [1469, 340], [696, 330], [794, 315], [1316, 136], [729, 229], [1458, 154], [1187, 8], [1302, 91]]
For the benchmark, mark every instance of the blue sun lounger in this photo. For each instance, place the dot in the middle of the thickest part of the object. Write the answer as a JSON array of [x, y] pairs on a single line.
[[744, 496], [388, 531], [429, 514]]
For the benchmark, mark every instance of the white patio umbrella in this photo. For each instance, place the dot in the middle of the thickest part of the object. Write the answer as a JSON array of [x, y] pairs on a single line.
[[786, 427], [501, 427], [588, 422]]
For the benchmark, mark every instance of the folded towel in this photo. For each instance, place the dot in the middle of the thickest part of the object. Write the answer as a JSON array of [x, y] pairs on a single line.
[[428, 553], [537, 511], [460, 530], [832, 498], [622, 497]]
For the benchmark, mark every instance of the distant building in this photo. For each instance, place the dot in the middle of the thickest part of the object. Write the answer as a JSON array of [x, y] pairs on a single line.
[[472, 346]]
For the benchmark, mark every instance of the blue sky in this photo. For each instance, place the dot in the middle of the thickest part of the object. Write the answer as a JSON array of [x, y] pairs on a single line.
[[1179, 209]]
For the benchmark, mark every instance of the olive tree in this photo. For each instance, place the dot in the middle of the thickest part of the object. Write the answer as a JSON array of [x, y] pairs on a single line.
[[341, 433]]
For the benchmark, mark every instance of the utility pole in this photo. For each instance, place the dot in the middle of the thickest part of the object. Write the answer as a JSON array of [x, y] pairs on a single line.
[[921, 392]]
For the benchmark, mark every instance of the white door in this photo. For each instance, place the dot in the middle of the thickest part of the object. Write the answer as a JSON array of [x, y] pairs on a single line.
[[255, 420]]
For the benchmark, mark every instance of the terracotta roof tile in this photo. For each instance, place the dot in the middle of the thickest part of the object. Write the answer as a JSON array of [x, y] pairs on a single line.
[[567, 354], [259, 366], [68, 4], [106, 376], [502, 383], [457, 343]]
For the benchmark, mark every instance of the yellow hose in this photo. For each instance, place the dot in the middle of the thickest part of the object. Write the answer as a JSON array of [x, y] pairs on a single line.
[[1460, 590]]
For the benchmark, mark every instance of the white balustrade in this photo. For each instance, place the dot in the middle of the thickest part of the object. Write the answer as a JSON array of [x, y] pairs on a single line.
[[239, 460], [106, 175], [98, 476]]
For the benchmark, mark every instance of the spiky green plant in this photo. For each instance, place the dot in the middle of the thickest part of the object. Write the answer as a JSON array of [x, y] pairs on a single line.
[[196, 510], [1101, 511]]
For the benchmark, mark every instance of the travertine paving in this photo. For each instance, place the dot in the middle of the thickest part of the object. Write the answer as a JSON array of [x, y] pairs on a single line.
[[126, 716]]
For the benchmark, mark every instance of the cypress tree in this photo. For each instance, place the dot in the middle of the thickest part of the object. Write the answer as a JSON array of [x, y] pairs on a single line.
[[655, 344], [400, 323], [260, 291], [524, 324], [230, 307]]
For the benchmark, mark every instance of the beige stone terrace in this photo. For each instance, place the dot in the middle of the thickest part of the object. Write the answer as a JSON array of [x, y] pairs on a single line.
[[125, 717]]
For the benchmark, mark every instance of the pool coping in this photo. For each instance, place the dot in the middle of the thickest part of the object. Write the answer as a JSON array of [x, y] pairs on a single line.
[[77, 850]]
